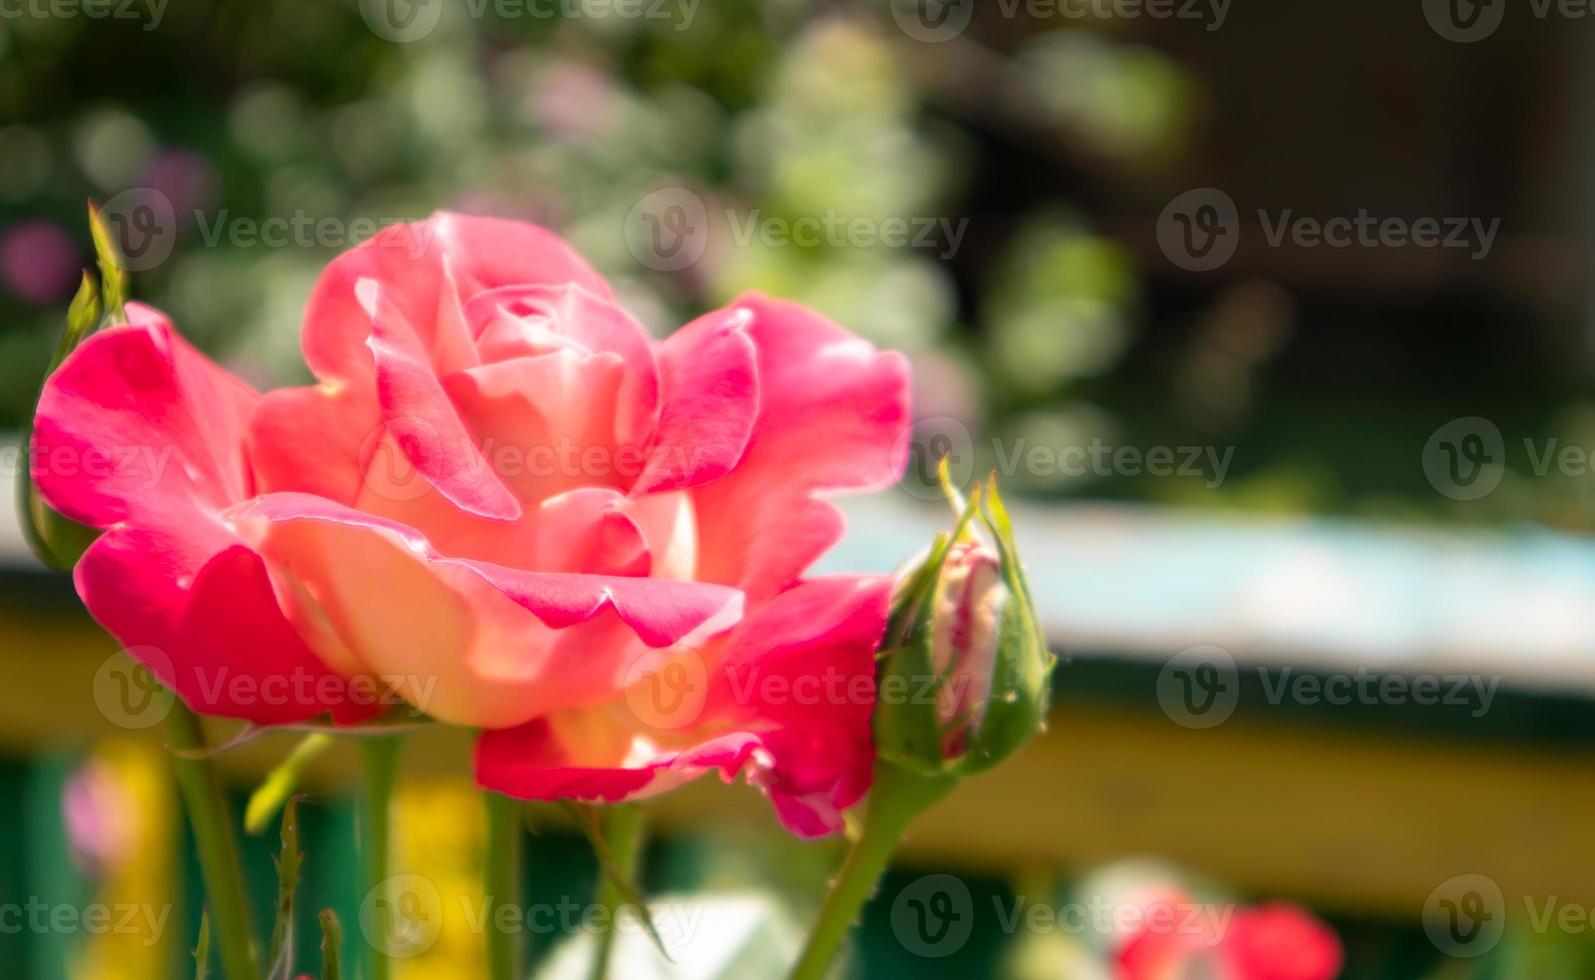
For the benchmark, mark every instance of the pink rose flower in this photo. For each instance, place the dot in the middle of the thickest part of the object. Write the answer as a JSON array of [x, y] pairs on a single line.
[[507, 504]]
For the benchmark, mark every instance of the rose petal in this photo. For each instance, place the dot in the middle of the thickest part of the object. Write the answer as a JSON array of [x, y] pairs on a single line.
[[549, 421], [316, 439], [409, 259], [169, 574], [471, 642], [136, 423], [786, 696], [588, 531], [516, 322], [831, 414], [424, 422], [711, 398], [569, 393], [224, 646]]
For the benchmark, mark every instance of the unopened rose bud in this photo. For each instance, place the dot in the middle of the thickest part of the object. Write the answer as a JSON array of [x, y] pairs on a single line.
[[964, 676], [56, 540], [963, 680], [965, 621]]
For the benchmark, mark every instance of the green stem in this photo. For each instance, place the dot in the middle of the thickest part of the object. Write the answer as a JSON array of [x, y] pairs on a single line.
[[502, 885], [379, 766], [623, 838], [226, 902], [897, 797]]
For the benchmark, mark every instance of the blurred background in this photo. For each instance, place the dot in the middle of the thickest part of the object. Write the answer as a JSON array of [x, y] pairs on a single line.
[[1275, 319]]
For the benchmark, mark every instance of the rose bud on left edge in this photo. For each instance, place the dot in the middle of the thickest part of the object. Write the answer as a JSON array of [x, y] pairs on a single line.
[[964, 627], [55, 540], [506, 500]]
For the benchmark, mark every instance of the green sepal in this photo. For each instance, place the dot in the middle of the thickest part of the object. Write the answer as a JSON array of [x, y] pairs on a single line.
[[113, 278], [82, 316], [1022, 670]]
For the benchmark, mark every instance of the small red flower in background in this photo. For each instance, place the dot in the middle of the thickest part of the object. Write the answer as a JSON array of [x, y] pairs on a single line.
[[1269, 942]]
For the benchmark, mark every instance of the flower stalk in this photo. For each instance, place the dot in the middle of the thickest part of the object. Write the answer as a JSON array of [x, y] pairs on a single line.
[[619, 857], [502, 885], [379, 763], [211, 820], [897, 798]]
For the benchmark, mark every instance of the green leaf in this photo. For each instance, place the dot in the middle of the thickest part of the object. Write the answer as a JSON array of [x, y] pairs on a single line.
[[280, 782], [202, 948], [331, 943], [281, 956], [113, 277]]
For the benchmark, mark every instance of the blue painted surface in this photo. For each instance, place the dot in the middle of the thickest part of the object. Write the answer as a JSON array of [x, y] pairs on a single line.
[[1147, 581]]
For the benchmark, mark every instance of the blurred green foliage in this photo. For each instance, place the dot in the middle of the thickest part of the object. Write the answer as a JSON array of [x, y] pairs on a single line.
[[1033, 313], [770, 112]]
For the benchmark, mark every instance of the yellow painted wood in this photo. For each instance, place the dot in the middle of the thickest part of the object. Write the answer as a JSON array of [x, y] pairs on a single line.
[[143, 939], [1345, 820]]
